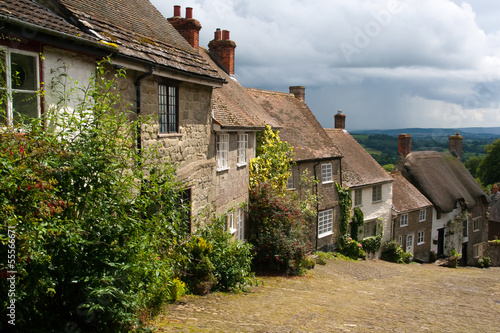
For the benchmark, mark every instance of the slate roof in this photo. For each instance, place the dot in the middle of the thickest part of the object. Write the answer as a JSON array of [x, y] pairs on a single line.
[[232, 105], [405, 196], [296, 123], [358, 167], [442, 178], [132, 28]]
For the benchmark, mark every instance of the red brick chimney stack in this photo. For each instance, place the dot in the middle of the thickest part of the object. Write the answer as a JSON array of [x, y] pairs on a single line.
[[404, 144], [339, 120], [222, 49], [455, 145], [188, 27], [299, 92]]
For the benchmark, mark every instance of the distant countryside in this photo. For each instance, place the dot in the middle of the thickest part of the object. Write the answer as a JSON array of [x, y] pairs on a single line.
[[383, 144]]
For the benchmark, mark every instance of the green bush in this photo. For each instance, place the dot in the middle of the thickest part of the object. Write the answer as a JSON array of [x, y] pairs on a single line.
[[392, 252], [372, 244], [278, 232], [353, 249], [322, 256], [484, 262]]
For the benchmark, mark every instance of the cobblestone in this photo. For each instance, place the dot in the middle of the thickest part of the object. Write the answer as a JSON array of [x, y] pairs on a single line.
[[345, 296]]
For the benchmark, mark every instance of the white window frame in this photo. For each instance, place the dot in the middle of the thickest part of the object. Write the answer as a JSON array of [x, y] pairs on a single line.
[[326, 173], [230, 222], [222, 146], [240, 224], [400, 240], [358, 197], [8, 80], [475, 224], [403, 220], [422, 215], [377, 193], [420, 237], [289, 181], [242, 149], [478, 250], [325, 223]]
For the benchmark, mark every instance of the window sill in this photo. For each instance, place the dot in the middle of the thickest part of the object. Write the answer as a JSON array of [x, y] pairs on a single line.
[[170, 135], [420, 243], [240, 165], [232, 231], [377, 201], [403, 225], [328, 182], [222, 169], [475, 230], [421, 221], [325, 234]]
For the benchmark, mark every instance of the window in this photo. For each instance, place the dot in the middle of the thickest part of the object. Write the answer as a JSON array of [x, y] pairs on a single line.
[[326, 172], [168, 110], [377, 193], [240, 224], [404, 220], [230, 222], [222, 151], [466, 228], [422, 215], [358, 197], [475, 223], [478, 250], [289, 182], [420, 237], [325, 223], [370, 228], [19, 83], [400, 240], [242, 149]]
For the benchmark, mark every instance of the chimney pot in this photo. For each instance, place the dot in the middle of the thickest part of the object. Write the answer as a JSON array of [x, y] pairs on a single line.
[[177, 11], [189, 12], [404, 144], [299, 92], [217, 34], [495, 189], [225, 35], [222, 49], [339, 120]]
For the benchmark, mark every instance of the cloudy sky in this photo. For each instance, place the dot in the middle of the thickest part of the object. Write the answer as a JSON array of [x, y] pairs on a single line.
[[385, 63]]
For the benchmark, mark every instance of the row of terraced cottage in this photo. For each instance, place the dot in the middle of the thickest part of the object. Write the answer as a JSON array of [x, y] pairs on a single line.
[[207, 124]]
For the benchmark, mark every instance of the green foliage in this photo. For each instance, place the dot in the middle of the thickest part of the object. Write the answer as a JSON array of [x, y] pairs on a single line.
[[372, 244], [453, 258], [472, 165], [273, 161], [278, 231], [345, 203], [358, 220], [392, 252], [489, 168], [484, 262], [353, 249], [231, 258], [322, 256], [388, 167]]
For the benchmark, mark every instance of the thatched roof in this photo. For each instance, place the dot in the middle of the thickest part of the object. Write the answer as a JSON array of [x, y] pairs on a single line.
[[442, 178]]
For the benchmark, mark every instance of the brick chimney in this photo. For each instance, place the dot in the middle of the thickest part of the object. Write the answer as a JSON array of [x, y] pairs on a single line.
[[404, 144], [339, 120], [222, 49], [188, 27], [455, 145], [495, 189], [299, 92]]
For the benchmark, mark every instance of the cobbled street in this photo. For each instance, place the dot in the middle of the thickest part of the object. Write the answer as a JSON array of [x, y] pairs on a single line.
[[345, 296]]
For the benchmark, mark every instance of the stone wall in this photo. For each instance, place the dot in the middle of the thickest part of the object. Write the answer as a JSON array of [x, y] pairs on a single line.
[[494, 253], [421, 252]]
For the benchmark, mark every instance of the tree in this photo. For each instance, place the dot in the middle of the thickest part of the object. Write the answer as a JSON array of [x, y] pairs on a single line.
[[472, 165], [489, 168]]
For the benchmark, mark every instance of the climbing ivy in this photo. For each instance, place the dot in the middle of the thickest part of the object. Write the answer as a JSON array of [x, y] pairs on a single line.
[[345, 203], [357, 221]]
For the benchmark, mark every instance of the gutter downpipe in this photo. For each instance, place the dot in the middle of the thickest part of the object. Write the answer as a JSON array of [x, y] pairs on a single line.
[[317, 204], [137, 84]]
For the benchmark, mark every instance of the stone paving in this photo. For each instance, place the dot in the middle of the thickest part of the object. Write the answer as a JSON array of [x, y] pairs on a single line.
[[346, 296]]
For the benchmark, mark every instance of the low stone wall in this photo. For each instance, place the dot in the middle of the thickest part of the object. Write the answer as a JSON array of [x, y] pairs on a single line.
[[494, 252]]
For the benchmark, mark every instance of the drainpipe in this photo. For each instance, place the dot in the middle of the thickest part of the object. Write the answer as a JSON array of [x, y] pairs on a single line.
[[137, 84], [317, 204]]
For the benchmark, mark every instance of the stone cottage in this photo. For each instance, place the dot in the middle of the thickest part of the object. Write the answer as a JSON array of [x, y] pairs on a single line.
[[234, 124], [459, 215], [370, 184], [412, 218], [166, 77], [314, 154]]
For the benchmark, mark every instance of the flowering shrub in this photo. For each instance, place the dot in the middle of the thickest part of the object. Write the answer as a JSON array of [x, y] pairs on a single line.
[[353, 249], [278, 232]]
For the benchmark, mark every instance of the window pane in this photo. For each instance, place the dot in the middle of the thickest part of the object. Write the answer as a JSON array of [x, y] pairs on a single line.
[[24, 104], [23, 72]]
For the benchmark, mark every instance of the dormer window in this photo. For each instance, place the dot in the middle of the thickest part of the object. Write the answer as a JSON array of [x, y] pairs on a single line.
[[19, 84]]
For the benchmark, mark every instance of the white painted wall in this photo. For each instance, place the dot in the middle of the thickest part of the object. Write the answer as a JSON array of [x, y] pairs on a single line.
[[441, 223]]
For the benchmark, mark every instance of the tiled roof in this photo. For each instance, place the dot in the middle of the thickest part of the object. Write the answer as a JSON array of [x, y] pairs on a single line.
[[358, 167], [233, 107], [135, 28], [28, 11], [296, 123], [405, 196], [442, 178]]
